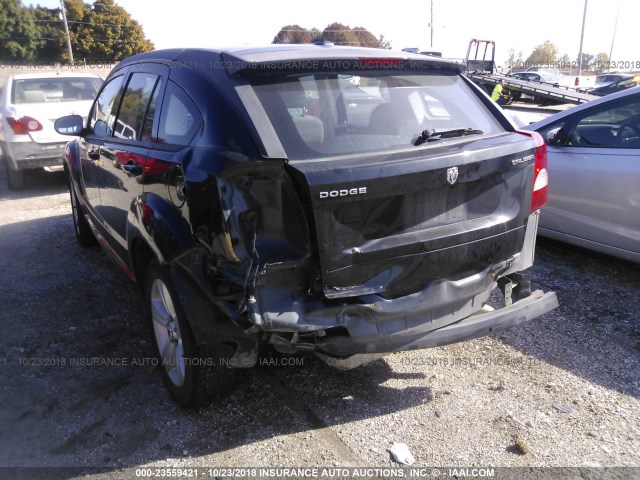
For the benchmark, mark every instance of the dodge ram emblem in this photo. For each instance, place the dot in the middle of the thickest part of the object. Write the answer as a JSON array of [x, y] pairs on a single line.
[[452, 175]]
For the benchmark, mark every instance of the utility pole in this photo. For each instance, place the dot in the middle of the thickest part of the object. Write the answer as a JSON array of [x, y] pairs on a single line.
[[584, 19], [615, 27], [66, 31], [431, 24]]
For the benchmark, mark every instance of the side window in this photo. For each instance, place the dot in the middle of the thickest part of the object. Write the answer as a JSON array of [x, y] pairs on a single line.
[[102, 118], [616, 126], [180, 118], [136, 103]]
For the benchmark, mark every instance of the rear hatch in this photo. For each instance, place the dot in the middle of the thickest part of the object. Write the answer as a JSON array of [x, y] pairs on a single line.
[[409, 174], [394, 224]]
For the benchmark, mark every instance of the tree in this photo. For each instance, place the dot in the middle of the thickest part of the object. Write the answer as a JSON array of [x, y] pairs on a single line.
[[105, 31], [336, 33], [80, 18], [75, 8], [601, 62], [587, 60], [18, 33], [366, 38], [544, 54], [51, 44], [513, 61], [102, 31], [315, 34], [293, 34], [564, 62], [340, 34], [384, 43]]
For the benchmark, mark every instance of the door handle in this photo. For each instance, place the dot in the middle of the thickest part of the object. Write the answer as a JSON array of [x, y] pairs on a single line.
[[131, 168]]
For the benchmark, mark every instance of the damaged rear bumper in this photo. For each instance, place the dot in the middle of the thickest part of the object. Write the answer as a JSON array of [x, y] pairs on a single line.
[[474, 326], [447, 311]]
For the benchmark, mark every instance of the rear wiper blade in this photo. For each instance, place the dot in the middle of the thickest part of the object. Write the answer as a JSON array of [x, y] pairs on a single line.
[[432, 135]]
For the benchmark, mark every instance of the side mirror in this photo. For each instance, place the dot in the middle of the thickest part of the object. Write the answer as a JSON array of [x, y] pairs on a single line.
[[69, 125], [554, 136]]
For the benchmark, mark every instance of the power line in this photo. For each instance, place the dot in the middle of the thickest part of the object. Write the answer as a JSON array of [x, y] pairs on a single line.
[[29, 38], [25, 21], [105, 24], [70, 21]]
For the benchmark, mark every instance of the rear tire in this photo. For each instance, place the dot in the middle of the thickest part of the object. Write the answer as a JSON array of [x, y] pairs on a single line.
[[189, 370], [84, 235], [15, 178]]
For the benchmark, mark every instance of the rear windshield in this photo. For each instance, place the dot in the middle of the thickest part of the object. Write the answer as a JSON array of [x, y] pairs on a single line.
[[60, 89], [318, 115]]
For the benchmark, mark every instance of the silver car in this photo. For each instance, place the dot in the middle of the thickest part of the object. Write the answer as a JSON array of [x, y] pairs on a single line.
[[594, 170], [29, 104], [543, 77], [605, 79]]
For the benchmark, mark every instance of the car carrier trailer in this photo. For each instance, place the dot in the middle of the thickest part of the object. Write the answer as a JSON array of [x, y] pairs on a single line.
[[480, 67]]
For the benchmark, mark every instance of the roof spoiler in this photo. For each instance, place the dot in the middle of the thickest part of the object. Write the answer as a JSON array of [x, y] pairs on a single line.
[[239, 66]]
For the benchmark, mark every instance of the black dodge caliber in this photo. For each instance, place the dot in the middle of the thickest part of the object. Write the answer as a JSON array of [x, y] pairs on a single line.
[[349, 202]]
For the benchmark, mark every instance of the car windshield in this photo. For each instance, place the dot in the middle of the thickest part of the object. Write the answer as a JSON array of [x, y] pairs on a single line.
[[321, 115], [56, 89]]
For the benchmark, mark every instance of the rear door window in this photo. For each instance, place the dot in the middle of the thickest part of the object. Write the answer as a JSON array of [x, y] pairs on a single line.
[[180, 117]]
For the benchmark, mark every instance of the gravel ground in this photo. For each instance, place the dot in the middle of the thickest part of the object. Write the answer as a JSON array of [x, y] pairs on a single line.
[[561, 391]]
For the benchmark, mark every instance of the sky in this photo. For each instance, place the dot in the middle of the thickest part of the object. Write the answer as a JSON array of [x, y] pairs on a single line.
[[405, 23]]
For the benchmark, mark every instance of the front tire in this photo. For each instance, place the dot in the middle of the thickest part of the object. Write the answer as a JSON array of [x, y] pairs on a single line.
[[188, 370]]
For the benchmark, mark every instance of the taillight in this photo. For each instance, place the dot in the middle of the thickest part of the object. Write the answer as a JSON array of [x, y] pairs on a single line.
[[24, 125], [540, 172], [147, 214]]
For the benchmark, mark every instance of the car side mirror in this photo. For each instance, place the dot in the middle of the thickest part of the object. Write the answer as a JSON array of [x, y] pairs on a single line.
[[554, 136], [69, 125]]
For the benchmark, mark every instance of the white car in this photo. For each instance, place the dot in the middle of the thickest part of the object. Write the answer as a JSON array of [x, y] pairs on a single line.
[[594, 175], [29, 105]]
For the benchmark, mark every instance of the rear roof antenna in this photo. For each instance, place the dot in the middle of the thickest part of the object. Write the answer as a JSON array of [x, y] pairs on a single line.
[[322, 41]]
